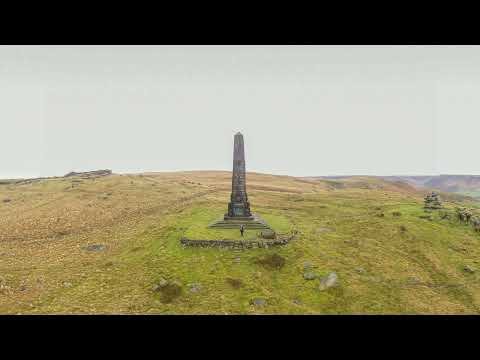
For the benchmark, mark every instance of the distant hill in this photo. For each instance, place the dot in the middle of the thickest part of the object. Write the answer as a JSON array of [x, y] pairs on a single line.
[[462, 184], [468, 185]]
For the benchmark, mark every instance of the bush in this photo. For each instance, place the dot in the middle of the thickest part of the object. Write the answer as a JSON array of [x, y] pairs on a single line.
[[169, 291], [235, 283], [273, 261]]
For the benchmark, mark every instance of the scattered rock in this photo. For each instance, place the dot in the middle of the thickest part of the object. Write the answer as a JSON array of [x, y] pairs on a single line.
[[67, 284], [162, 282], [328, 281], [95, 247], [469, 269], [309, 275], [258, 302], [195, 287], [324, 229]]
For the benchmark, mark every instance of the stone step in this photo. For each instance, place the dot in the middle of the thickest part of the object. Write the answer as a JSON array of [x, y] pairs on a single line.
[[255, 222], [236, 225], [230, 226]]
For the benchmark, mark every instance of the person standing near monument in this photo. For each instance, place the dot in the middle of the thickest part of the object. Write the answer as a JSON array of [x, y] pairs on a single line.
[[242, 229]]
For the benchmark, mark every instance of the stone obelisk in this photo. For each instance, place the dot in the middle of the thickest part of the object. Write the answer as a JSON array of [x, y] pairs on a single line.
[[238, 207]]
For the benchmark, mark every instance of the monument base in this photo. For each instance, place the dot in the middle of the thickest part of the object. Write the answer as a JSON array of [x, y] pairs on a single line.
[[234, 222]]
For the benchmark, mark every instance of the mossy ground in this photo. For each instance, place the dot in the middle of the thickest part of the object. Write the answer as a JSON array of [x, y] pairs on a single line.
[[395, 264]]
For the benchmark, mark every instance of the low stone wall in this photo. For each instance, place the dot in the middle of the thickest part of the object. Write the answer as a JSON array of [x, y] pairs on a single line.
[[238, 244]]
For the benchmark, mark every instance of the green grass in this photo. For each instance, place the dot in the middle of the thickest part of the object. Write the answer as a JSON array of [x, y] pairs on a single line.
[[474, 194], [195, 226], [338, 231]]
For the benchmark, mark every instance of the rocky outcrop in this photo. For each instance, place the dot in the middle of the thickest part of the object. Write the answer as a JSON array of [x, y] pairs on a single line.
[[463, 214], [86, 175], [467, 216], [89, 174], [432, 201]]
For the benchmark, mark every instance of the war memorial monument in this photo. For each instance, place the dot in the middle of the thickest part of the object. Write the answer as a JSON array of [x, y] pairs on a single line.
[[239, 215], [239, 207]]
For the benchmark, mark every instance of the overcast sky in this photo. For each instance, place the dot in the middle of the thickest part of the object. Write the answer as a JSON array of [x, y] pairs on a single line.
[[304, 110]]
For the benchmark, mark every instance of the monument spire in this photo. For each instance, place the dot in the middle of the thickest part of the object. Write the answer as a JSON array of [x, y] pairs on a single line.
[[238, 214], [239, 205]]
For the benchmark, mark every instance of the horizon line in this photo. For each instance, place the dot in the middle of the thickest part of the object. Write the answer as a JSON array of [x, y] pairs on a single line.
[[253, 171]]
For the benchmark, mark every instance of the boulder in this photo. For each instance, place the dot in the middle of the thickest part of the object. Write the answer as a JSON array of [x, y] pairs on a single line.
[[324, 229], [258, 302], [95, 247], [309, 275], [328, 281]]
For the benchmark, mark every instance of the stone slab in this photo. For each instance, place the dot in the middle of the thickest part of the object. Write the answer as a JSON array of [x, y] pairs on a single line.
[[252, 222]]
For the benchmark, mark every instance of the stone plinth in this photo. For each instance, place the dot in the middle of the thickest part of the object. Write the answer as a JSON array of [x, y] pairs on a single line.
[[249, 222]]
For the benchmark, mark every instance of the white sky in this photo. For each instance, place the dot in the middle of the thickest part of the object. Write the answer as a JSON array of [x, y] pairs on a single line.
[[304, 110]]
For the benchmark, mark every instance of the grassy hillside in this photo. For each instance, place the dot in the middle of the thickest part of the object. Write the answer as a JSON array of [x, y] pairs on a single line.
[[103, 245]]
